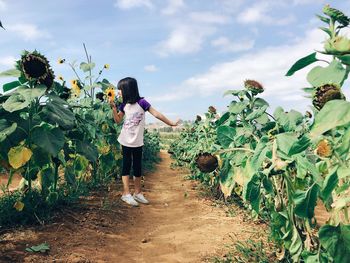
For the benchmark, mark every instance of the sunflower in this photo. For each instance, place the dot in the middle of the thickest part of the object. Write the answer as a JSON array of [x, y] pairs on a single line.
[[326, 93], [212, 109], [206, 162], [75, 91], [106, 66], [324, 148], [110, 93], [60, 78], [253, 86], [61, 61], [36, 67]]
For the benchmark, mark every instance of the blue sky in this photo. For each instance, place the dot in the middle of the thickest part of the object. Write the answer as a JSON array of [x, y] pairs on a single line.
[[184, 53]]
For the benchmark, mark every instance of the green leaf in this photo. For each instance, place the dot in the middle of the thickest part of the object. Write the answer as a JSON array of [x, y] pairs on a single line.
[[88, 150], [336, 240], [296, 245], [11, 85], [252, 192], [343, 172], [305, 201], [15, 102], [329, 184], [299, 146], [325, 29], [49, 139], [232, 92], [335, 113], [344, 147], [39, 248], [324, 19], [304, 166], [256, 113], [6, 129], [11, 73], [290, 120], [238, 107], [302, 63], [87, 66], [226, 135], [335, 73], [285, 141], [267, 183], [344, 59], [259, 102]]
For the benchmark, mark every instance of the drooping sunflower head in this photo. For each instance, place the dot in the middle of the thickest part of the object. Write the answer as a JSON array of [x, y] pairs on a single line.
[[326, 93], [253, 86], [324, 148], [206, 162], [110, 93], [212, 109], [36, 67], [198, 118], [100, 96]]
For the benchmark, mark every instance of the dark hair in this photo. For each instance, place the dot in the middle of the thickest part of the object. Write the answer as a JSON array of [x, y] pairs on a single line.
[[130, 90]]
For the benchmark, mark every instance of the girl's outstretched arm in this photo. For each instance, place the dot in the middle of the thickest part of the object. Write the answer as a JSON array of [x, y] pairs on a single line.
[[161, 117], [117, 116]]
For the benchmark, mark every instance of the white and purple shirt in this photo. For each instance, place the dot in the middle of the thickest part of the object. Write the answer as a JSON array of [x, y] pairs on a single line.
[[134, 123]]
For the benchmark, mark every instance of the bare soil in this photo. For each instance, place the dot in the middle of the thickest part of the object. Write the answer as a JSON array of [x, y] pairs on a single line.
[[179, 225]]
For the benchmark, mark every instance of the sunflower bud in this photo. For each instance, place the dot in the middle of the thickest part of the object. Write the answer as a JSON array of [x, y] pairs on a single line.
[[324, 149], [326, 93], [337, 45], [336, 15], [206, 162], [212, 109], [253, 86]]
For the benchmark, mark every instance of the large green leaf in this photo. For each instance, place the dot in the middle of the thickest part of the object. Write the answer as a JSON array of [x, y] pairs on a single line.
[[88, 150], [336, 240], [302, 63], [48, 138], [232, 92], [334, 114], [288, 120], [6, 129], [252, 192], [334, 73], [11, 73], [285, 141], [86, 66], [56, 111], [238, 107], [226, 135], [330, 182], [11, 85], [344, 147], [226, 179], [305, 201], [299, 146], [256, 113]]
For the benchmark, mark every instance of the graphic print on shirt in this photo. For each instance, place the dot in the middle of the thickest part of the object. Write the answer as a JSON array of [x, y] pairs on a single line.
[[131, 123]]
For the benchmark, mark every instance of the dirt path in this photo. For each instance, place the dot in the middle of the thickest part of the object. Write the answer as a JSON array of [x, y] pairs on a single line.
[[178, 226]]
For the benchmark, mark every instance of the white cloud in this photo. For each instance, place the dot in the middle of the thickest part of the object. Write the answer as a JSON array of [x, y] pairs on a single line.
[[150, 68], [3, 5], [307, 2], [128, 4], [258, 13], [173, 7], [28, 31], [226, 45], [7, 61], [267, 66], [184, 39], [208, 18]]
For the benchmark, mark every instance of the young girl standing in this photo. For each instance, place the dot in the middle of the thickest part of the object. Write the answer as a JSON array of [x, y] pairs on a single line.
[[131, 137]]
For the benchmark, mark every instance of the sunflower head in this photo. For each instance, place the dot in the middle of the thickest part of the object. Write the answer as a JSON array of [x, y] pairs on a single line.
[[253, 86], [326, 93], [206, 162], [61, 60], [36, 67], [100, 96], [212, 109], [198, 118], [110, 94], [324, 148], [106, 66], [75, 91]]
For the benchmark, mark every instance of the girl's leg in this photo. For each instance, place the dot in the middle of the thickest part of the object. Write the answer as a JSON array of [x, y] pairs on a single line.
[[137, 165], [127, 152]]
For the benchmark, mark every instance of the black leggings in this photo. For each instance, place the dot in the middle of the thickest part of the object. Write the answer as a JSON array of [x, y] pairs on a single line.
[[134, 155]]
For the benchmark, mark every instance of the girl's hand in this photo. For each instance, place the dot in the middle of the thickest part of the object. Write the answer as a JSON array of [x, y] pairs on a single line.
[[111, 103], [177, 122]]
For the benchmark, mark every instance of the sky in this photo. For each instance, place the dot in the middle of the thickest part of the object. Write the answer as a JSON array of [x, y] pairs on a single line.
[[184, 53]]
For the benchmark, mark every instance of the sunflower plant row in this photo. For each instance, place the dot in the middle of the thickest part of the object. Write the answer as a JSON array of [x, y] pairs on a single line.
[[58, 138], [286, 165]]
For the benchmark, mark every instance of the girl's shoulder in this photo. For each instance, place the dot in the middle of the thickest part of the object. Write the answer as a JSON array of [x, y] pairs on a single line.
[[145, 105]]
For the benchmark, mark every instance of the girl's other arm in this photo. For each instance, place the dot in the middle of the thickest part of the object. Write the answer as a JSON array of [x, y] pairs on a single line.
[[161, 117], [117, 116]]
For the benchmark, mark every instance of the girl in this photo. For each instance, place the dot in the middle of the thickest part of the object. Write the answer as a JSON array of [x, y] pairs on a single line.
[[131, 137]]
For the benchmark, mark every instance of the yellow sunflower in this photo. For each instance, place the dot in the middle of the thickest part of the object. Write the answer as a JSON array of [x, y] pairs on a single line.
[[75, 90], [106, 66], [110, 92], [61, 61], [60, 78]]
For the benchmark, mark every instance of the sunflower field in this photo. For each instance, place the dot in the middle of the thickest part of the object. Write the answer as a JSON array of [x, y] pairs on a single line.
[[61, 140], [286, 166]]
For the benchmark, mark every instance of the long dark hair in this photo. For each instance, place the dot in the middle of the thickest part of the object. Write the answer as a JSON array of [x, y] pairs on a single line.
[[130, 90]]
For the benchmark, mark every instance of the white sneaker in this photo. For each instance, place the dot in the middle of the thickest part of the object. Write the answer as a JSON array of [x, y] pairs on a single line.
[[129, 200], [140, 198]]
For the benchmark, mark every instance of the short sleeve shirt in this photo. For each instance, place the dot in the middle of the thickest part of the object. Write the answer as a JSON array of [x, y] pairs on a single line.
[[134, 123]]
